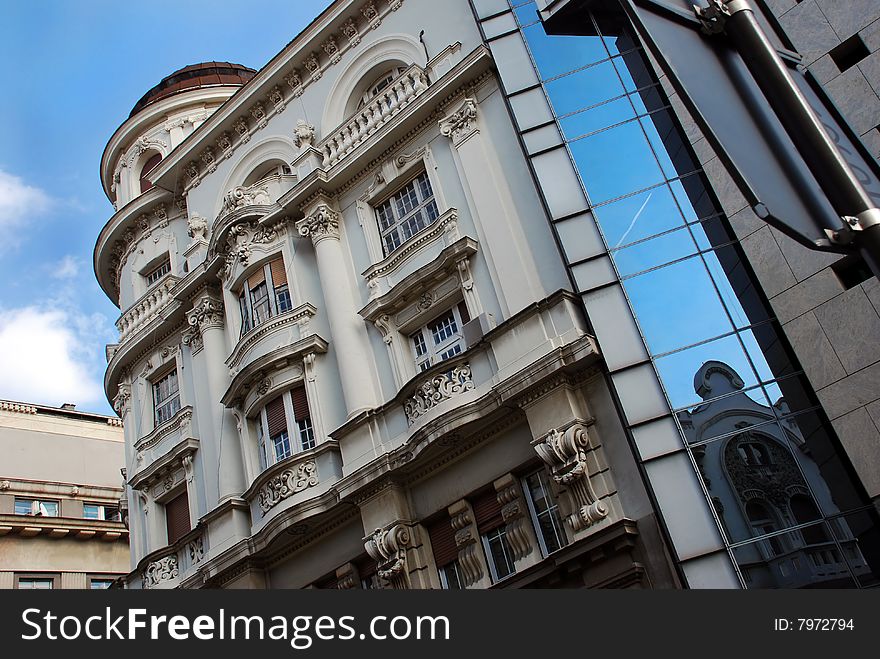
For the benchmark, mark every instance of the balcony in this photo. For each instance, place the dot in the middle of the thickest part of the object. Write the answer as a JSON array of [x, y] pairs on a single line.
[[147, 308], [302, 477], [375, 114], [271, 335], [170, 566], [253, 200]]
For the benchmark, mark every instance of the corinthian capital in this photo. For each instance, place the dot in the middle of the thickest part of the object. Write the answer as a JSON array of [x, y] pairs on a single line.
[[461, 124], [122, 401], [207, 312], [323, 222]]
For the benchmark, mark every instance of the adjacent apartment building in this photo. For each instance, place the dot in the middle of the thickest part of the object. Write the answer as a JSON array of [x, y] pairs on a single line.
[[60, 487], [436, 299]]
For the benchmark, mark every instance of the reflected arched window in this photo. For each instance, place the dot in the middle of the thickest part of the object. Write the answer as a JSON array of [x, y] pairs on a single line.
[[148, 167], [804, 511]]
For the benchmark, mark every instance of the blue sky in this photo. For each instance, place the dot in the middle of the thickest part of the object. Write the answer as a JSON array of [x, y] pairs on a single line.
[[72, 72]]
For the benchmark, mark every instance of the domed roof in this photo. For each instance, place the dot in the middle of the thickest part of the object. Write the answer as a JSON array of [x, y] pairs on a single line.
[[194, 76]]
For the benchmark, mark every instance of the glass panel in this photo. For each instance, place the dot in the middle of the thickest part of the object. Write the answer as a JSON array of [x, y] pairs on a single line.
[[24, 507], [100, 584], [786, 561], [49, 508], [639, 216], [546, 512], [677, 306], [450, 578], [306, 434], [499, 553], [555, 55], [859, 541], [602, 116], [282, 299], [655, 252], [584, 89], [674, 155], [682, 373], [616, 162], [91, 511], [282, 446]]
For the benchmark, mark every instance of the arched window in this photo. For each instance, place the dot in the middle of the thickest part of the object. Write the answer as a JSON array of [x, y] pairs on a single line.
[[266, 169], [148, 167], [380, 84], [804, 511]]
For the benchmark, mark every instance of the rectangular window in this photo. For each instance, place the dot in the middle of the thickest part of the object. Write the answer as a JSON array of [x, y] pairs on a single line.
[[498, 553], [100, 511], [166, 398], [36, 583], [159, 271], [493, 533], [442, 537], [266, 294], [100, 583], [545, 512], [274, 429], [441, 338], [407, 212], [36, 507], [177, 518]]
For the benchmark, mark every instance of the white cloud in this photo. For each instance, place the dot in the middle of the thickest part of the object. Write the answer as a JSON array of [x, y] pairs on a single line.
[[66, 268], [19, 202], [51, 356]]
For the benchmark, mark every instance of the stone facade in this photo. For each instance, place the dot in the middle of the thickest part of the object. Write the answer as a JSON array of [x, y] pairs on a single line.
[[364, 325], [61, 525]]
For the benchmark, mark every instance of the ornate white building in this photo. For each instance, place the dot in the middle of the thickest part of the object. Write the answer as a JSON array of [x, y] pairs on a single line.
[[348, 351], [363, 297]]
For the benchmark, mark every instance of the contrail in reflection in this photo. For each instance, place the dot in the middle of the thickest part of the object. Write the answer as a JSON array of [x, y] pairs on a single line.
[[634, 220]]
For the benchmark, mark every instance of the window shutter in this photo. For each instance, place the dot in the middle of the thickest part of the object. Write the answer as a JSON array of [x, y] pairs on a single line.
[[275, 417], [462, 310], [256, 279], [487, 512], [443, 541], [300, 404], [177, 518], [279, 275]]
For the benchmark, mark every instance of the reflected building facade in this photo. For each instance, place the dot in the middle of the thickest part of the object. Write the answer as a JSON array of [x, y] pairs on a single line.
[[425, 311]]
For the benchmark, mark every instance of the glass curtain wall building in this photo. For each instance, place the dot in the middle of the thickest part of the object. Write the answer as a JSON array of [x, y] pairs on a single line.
[[751, 482]]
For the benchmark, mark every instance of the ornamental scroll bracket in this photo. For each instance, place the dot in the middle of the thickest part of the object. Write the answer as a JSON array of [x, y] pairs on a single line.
[[565, 453], [388, 548]]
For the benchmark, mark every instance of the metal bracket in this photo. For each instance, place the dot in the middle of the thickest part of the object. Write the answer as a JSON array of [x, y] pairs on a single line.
[[714, 17], [848, 233]]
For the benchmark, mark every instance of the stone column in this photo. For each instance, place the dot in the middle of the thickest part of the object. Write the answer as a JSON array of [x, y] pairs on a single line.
[[347, 329], [208, 340], [513, 268]]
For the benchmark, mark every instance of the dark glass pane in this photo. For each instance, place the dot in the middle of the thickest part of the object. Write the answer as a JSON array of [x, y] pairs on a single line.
[[693, 196], [859, 541], [799, 565], [737, 289], [671, 150]]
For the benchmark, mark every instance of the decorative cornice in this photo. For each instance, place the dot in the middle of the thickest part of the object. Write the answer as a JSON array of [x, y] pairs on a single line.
[[301, 316], [180, 421], [7, 406]]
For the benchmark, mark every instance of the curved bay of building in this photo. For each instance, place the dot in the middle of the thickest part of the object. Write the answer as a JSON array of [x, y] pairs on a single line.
[[352, 353]]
